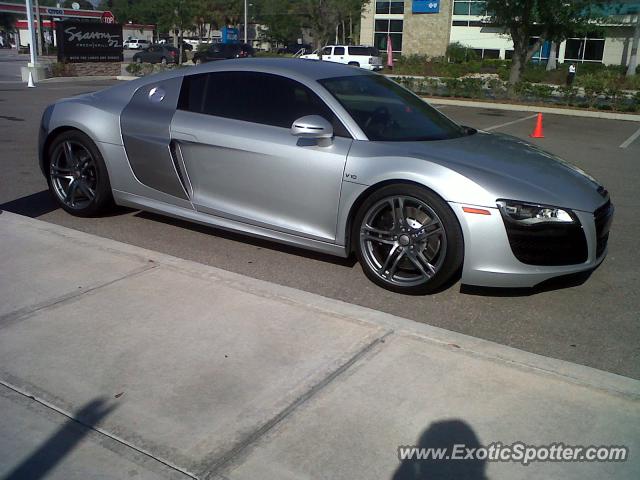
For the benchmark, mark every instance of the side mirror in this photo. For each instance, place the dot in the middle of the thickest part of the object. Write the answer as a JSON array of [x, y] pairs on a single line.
[[313, 127]]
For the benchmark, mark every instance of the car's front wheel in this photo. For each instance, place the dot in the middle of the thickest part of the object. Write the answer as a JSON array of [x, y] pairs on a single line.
[[408, 239], [77, 175]]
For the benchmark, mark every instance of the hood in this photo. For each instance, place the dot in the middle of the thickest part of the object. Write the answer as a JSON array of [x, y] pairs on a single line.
[[513, 169]]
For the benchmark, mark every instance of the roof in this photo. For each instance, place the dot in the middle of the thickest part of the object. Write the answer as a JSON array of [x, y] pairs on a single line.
[[293, 67]]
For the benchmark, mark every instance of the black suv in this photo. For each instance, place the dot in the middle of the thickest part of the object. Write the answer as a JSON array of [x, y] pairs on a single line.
[[222, 51]]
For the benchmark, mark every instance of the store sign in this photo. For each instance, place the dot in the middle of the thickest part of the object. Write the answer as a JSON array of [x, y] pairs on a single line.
[[55, 11], [89, 42], [230, 35], [107, 17], [425, 6]]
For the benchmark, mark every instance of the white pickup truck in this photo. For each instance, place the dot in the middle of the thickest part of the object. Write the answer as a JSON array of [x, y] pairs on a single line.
[[356, 55]]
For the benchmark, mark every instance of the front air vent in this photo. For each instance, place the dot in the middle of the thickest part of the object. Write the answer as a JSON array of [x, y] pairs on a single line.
[[178, 164]]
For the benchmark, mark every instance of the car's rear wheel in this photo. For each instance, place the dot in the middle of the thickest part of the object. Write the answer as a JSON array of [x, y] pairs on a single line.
[[354, 64], [77, 175], [408, 239], [139, 60], [197, 61], [163, 61]]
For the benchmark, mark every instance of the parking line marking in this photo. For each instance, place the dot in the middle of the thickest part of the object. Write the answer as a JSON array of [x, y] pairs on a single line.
[[630, 140], [493, 127]]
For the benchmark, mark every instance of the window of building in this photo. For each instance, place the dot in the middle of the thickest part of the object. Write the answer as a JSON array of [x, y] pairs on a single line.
[[253, 97], [470, 7], [584, 49], [390, 7], [391, 28], [491, 53]]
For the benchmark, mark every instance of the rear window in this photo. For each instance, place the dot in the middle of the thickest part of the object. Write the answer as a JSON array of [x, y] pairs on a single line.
[[363, 51]]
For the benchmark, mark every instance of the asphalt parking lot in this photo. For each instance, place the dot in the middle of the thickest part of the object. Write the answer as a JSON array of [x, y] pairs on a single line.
[[594, 323]]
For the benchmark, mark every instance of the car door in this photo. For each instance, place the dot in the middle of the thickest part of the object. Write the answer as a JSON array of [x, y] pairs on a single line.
[[153, 54], [338, 55], [327, 54], [232, 131]]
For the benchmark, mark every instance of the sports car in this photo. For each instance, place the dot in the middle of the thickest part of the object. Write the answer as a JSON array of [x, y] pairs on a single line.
[[331, 158]]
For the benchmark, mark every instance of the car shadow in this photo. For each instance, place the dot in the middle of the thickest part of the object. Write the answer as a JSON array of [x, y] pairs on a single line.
[[34, 205], [50, 453], [239, 237], [445, 434], [41, 203], [557, 283]]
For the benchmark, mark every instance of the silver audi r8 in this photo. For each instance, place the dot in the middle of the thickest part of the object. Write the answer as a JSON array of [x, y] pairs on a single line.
[[334, 159]]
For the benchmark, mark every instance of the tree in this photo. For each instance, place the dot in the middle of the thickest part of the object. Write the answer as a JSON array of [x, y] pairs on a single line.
[[282, 18], [326, 17], [176, 15], [552, 20]]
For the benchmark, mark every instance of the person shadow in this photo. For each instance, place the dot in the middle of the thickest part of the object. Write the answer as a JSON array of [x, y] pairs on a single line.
[[444, 435]]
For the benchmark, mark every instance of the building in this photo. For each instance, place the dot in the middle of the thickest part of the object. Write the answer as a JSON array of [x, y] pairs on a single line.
[[427, 27]]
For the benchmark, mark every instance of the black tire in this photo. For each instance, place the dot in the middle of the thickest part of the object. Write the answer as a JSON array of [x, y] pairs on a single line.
[[354, 64], [163, 60], [448, 259], [138, 60], [94, 176]]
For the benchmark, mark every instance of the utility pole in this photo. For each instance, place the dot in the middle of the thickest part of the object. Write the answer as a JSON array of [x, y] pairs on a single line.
[[246, 37], [32, 35], [39, 23]]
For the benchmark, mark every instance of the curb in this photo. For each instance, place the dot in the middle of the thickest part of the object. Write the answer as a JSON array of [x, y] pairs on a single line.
[[77, 79], [465, 344], [533, 108]]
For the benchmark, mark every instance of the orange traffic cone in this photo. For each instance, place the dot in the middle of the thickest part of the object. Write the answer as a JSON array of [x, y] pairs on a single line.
[[537, 132]]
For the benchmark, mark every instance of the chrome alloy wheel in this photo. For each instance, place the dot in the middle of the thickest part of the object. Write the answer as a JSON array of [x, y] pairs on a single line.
[[403, 241], [73, 174]]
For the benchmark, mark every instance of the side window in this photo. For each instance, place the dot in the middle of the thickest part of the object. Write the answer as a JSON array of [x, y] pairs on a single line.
[[338, 51], [254, 97], [326, 51]]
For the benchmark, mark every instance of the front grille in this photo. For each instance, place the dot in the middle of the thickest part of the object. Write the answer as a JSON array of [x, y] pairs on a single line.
[[603, 218], [547, 244]]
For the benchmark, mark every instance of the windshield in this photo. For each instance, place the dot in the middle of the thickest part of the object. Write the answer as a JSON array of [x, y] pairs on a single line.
[[387, 112]]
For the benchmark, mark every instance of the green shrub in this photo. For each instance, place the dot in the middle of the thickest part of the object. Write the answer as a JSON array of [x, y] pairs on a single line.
[[497, 87], [458, 53], [542, 92], [134, 69], [594, 85], [453, 86], [534, 74], [568, 94], [471, 87]]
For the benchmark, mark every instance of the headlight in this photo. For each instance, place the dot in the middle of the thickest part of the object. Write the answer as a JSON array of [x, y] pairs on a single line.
[[533, 214]]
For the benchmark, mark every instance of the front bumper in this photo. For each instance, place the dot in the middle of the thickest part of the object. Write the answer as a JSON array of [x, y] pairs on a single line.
[[489, 260]]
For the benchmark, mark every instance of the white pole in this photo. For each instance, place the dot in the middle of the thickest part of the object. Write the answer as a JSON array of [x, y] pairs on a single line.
[[245, 21], [32, 34]]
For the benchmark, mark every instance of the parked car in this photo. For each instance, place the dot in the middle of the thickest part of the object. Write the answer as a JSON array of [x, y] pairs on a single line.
[[136, 44], [222, 51], [159, 54], [293, 48], [356, 55], [169, 41], [331, 158]]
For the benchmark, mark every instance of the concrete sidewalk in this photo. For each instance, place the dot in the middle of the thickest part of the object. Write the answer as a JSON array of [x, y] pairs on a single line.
[[119, 362]]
